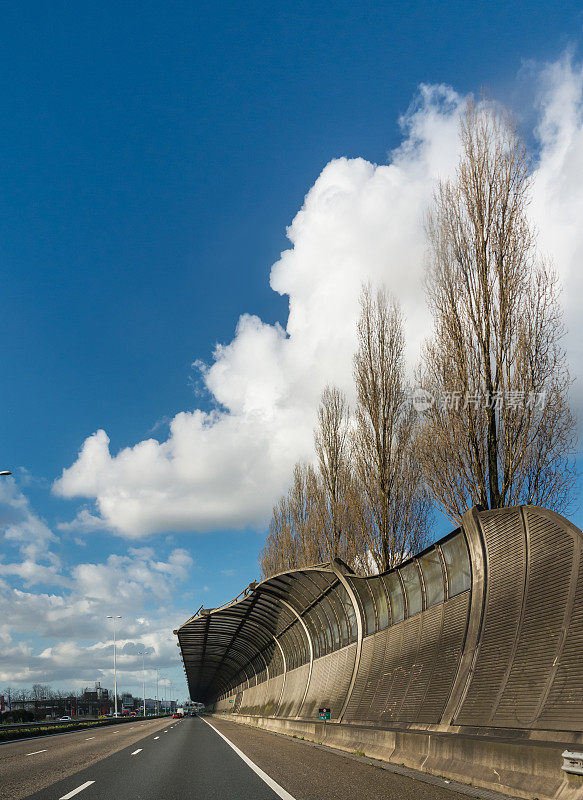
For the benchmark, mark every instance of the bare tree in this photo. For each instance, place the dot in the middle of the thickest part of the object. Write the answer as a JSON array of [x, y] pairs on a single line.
[[305, 508], [295, 538], [394, 503], [332, 445], [498, 430], [278, 553]]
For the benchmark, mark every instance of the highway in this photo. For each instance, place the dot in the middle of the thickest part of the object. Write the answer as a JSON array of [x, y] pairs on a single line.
[[195, 758]]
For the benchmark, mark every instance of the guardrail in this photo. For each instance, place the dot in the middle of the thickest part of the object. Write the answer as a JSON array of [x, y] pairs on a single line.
[[15, 731]]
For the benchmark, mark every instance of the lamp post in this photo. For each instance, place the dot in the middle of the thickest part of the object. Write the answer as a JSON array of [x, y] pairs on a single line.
[[141, 653], [114, 663], [157, 706]]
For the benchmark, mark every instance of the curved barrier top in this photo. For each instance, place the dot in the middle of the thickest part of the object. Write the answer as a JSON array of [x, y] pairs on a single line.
[[484, 628]]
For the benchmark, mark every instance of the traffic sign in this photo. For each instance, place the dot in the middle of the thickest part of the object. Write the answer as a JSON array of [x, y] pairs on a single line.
[[324, 714]]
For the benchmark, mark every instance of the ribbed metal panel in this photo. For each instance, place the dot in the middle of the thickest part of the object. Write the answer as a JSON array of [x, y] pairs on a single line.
[[272, 696], [295, 685], [550, 557], [357, 704], [329, 682], [402, 671], [384, 694], [253, 699], [563, 707], [447, 658], [422, 667], [370, 707], [506, 569]]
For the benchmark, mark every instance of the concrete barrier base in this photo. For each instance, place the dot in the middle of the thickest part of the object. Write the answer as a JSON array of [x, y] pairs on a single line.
[[528, 769]]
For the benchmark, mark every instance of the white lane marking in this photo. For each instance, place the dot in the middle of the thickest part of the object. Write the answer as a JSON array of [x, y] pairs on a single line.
[[89, 737], [156, 737], [279, 790], [36, 752], [135, 753], [165, 731], [77, 790]]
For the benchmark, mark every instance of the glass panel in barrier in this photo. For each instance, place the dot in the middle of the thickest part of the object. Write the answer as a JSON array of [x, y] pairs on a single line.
[[360, 586], [412, 585], [432, 570], [344, 598], [457, 562], [395, 593], [340, 612], [380, 597]]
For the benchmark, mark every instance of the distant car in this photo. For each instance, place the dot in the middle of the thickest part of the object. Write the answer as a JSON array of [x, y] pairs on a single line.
[[176, 716], [65, 719]]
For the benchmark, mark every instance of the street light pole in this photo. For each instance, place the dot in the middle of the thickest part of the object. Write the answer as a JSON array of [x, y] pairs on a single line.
[[157, 706], [141, 653], [114, 663]]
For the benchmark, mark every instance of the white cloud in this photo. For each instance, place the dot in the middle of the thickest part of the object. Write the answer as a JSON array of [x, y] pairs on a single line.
[[359, 222], [21, 527], [557, 207], [139, 586], [32, 573]]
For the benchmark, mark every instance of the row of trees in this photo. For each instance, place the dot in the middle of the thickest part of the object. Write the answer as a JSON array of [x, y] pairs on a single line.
[[489, 422], [38, 692]]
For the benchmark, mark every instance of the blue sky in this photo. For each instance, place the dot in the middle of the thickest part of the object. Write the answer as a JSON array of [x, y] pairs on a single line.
[[152, 156]]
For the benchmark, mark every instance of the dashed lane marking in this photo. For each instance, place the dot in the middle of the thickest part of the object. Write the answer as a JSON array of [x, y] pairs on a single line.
[[89, 737], [279, 790], [77, 790], [36, 752], [156, 737], [135, 753]]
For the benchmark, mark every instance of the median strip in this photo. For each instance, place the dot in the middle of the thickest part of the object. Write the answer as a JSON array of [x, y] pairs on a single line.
[[77, 790]]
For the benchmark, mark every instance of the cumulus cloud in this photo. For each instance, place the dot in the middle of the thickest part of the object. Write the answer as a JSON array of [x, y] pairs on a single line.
[[359, 222], [21, 527], [557, 207], [62, 634]]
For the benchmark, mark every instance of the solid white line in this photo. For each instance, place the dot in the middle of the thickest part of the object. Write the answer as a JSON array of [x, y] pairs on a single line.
[[279, 790], [135, 753], [77, 790], [36, 752]]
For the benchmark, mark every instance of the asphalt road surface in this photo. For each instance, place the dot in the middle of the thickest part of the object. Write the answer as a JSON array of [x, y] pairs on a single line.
[[191, 758]]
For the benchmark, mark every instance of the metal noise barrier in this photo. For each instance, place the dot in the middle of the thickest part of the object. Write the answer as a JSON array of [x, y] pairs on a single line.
[[482, 630]]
